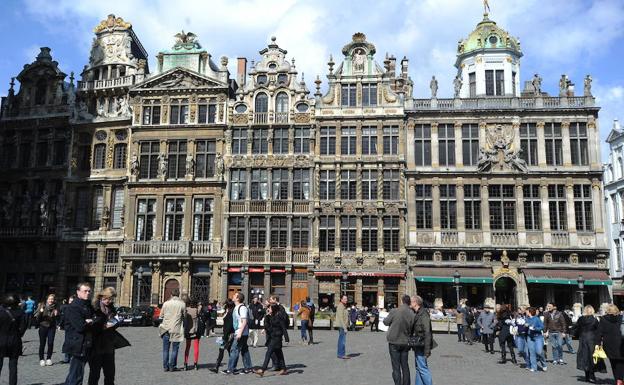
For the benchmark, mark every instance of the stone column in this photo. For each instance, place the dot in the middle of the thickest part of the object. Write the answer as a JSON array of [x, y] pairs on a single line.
[[99, 269], [435, 162], [358, 291], [156, 282], [565, 134], [597, 212], [593, 144], [485, 212], [223, 276], [545, 212], [126, 285], [541, 148], [569, 184], [287, 301], [461, 219], [312, 287], [459, 160], [435, 195], [521, 226]]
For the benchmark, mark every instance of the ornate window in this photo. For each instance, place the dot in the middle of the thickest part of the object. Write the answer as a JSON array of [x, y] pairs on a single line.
[[261, 108], [149, 159], [502, 203], [207, 112], [348, 95], [348, 232], [257, 232], [236, 232], [205, 154], [99, 156], [174, 219], [302, 141], [446, 144], [280, 183], [554, 148], [578, 144], [259, 184], [179, 111], [301, 184], [328, 184], [369, 95], [118, 207], [472, 206], [239, 141], [347, 141], [112, 256], [528, 143], [328, 141], [281, 108], [557, 207], [369, 184], [327, 233], [282, 79], [119, 158], [369, 141], [203, 209], [423, 206], [448, 206], [146, 219], [423, 144], [391, 185], [260, 143], [391, 233], [391, 140], [279, 232], [369, 234], [348, 184], [583, 207], [151, 115], [300, 233], [470, 144], [532, 207], [238, 184], [177, 159], [280, 141], [82, 208]]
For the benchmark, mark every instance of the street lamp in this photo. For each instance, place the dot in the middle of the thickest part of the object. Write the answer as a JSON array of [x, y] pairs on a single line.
[[580, 281], [139, 274], [343, 284], [456, 278]]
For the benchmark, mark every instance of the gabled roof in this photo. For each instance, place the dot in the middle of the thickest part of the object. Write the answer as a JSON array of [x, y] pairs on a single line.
[[179, 78]]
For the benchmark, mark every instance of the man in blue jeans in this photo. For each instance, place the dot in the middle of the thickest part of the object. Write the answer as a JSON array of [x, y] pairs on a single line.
[[422, 329], [342, 323], [78, 323], [240, 319], [555, 329]]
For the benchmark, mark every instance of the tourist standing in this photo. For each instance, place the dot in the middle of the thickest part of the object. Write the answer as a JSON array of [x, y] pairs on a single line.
[[106, 339], [342, 323], [78, 323], [29, 310], [192, 332], [535, 340], [46, 317], [487, 323], [12, 328], [312, 308], [587, 331], [228, 334], [505, 337], [459, 321], [257, 311], [171, 329], [611, 339], [240, 316], [375, 322], [520, 337], [71, 298], [555, 327], [422, 331], [304, 315], [401, 323], [275, 327]]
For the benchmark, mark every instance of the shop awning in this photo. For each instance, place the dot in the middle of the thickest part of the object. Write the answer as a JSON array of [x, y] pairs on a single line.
[[360, 274], [567, 277], [445, 275]]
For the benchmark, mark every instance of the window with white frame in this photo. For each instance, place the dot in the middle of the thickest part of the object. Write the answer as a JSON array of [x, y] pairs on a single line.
[[279, 232], [348, 184], [327, 233], [391, 233], [145, 219], [328, 184], [257, 232], [369, 141], [502, 204], [532, 207], [347, 141], [557, 207], [302, 141], [259, 184], [279, 180], [301, 184], [348, 232], [448, 206], [369, 184], [422, 142], [239, 141], [369, 94], [328, 141], [583, 207], [238, 184], [174, 219], [446, 144], [203, 216], [391, 140], [528, 143], [472, 206], [369, 234], [424, 204]]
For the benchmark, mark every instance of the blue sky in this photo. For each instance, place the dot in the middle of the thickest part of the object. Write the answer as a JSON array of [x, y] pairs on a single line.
[[575, 37]]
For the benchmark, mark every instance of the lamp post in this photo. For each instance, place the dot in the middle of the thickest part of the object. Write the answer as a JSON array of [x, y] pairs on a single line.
[[456, 278], [343, 283], [139, 274], [580, 281]]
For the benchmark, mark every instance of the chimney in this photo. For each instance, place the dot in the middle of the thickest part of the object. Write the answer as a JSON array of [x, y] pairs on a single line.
[[241, 71]]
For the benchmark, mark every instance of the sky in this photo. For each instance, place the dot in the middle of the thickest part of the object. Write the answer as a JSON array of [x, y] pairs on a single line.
[[573, 37]]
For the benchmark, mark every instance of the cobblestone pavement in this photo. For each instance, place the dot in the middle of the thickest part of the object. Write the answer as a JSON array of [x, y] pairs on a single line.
[[451, 363]]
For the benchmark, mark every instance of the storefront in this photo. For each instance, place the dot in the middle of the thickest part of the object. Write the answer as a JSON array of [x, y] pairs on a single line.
[[562, 287], [363, 289], [437, 282]]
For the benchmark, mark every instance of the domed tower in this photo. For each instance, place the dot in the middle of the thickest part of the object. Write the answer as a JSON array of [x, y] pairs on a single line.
[[488, 62]]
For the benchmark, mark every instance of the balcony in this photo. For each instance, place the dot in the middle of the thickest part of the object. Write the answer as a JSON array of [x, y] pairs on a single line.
[[236, 256], [124, 81], [256, 256], [560, 238], [300, 257], [257, 206], [279, 206], [503, 103], [449, 237], [111, 268], [279, 256], [301, 207], [201, 248], [81, 269], [504, 238], [27, 232], [261, 118], [237, 207], [168, 248], [281, 117]]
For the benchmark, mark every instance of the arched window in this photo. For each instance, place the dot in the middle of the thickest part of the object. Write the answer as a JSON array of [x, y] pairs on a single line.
[[99, 156], [281, 102], [262, 103]]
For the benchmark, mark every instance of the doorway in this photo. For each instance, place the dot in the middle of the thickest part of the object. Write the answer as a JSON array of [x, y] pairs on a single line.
[[505, 290], [169, 286]]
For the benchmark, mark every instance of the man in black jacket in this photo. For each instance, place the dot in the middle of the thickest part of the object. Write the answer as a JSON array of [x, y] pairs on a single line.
[[400, 322], [78, 321], [257, 311], [274, 299]]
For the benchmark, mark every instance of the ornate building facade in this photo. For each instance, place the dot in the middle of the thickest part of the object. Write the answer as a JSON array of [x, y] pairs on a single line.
[[188, 178]]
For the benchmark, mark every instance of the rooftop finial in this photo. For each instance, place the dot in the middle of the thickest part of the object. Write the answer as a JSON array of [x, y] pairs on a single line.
[[486, 8], [273, 38]]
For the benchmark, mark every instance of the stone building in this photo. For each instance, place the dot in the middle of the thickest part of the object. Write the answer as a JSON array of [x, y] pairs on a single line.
[[269, 163], [504, 186]]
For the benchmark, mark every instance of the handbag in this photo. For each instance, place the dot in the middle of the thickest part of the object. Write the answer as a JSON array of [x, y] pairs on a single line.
[[599, 354], [414, 341]]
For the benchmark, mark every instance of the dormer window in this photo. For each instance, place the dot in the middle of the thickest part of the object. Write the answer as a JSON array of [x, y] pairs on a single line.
[[261, 80], [282, 79], [493, 40], [179, 113], [348, 95]]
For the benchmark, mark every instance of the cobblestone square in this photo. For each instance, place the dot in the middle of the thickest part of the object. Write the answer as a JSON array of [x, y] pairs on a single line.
[[451, 363]]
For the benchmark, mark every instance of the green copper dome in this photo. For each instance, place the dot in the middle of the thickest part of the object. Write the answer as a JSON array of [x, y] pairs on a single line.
[[488, 36]]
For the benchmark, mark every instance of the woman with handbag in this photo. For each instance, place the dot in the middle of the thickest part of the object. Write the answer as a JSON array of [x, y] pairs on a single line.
[[46, 317], [228, 334], [611, 340], [587, 332]]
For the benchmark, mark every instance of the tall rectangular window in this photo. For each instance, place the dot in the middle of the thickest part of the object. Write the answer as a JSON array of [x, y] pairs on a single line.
[[82, 208], [391, 233], [112, 256], [239, 141], [257, 232], [557, 207], [205, 154], [328, 185], [98, 207], [302, 141], [448, 206], [583, 207], [500, 82], [280, 141], [236, 232], [118, 207], [489, 82], [422, 141], [528, 143], [369, 184], [279, 232], [348, 95], [327, 233], [348, 184], [328, 141], [206, 112], [179, 111], [146, 219], [260, 143], [348, 232], [369, 141], [119, 156], [280, 181], [495, 82], [502, 203], [472, 206], [446, 144], [391, 140], [60, 153], [238, 184], [301, 184], [203, 214], [259, 185], [174, 219], [532, 207], [151, 115], [369, 94], [300, 235], [347, 141], [472, 85], [391, 185], [470, 144], [148, 166], [177, 159], [553, 142], [424, 213], [99, 156], [578, 144], [91, 256], [369, 234], [25, 154]]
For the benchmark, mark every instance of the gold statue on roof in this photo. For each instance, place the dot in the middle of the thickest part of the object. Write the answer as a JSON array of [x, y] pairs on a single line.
[[112, 23]]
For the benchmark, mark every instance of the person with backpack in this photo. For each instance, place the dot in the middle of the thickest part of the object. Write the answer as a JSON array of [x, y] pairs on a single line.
[[241, 319]]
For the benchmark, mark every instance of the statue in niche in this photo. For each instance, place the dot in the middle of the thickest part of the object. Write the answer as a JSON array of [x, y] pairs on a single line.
[[105, 217], [134, 165], [359, 60], [123, 107], [457, 84], [219, 166], [162, 165], [433, 85], [81, 112], [43, 209], [190, 165], [536, 82], [587, 84]]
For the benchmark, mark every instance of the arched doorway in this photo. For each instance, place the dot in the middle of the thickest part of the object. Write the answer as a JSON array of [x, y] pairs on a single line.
[[169, 286], [505, 290]]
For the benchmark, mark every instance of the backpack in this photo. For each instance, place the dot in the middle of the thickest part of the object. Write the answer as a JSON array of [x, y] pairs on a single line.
[[470, 318], [250, 316]]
